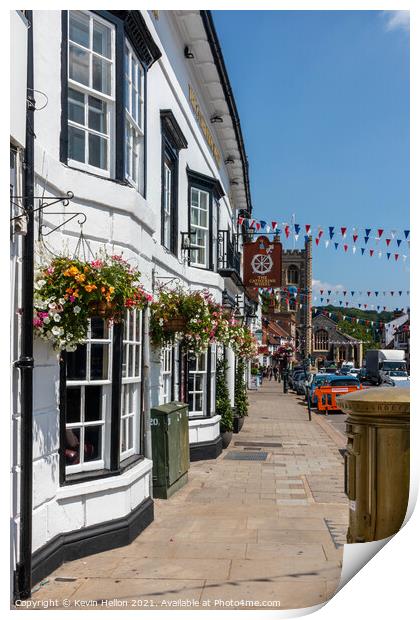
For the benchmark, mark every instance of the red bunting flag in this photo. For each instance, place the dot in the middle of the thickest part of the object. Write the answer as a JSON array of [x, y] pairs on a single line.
[[240, 221], [257, 225], [396, 256], [380, 232], [317, 240], [321, 291], [355, 237], [365, 305], [387, 241], [343, 231], [274, 225], [346, 247], [371, 252], [251, 225], [287, 231], [307, 228], [320, 233]]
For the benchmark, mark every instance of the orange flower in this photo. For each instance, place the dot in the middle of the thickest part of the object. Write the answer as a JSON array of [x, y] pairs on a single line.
[[71, 271], [90, 287], [69, 290], [80, 277], [111, 289], [103, 289]]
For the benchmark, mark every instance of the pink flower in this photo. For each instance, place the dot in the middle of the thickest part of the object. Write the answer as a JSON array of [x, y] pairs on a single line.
[[72, 298], [97, 264], [37, 322], [50, 270]]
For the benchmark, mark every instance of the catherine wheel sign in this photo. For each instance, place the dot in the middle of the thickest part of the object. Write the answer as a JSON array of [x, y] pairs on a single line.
[[261, 263]]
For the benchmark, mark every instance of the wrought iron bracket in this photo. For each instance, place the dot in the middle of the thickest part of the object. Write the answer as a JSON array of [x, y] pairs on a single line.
[[43, 202]]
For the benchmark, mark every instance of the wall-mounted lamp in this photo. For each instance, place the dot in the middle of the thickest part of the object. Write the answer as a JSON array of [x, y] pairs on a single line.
[[216, 119], [188, 53], [229, 160], [234, 182]]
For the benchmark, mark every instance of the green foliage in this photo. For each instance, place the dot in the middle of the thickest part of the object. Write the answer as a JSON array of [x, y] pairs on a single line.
[[361, 332], [223, 406], [241, 396]]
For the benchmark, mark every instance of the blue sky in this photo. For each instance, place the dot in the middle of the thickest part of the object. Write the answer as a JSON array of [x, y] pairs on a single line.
[[323, 98]]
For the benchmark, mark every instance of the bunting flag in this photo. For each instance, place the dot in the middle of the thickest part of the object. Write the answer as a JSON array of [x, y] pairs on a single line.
[[308, 228], [355, 237], [398, 242], [366, 240], [240, 221], [297, 229], [380, 232], [274, 225], [406, 233], [388, 255], [317, 240], [331, 231], [396, 256], [371, 252], [367, 231], [257, 225], [343, 231], [387, 241], [320, 233], [346, 247], [287, 231], [363, 250], [336, 245]]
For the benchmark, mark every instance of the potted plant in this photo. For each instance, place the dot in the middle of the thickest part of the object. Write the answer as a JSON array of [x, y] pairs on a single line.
[[68, 292], [223, 406], [241, 397]]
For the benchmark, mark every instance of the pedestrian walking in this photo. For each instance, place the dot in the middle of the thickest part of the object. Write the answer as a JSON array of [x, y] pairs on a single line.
[[275, 372]]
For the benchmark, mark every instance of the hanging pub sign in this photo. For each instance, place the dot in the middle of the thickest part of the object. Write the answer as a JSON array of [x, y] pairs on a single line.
[[262, 263]]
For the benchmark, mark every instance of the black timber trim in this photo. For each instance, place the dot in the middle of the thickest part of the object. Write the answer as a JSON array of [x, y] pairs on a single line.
[[89, 540], [172, 130], [117, 353], [216, 50], [140, 36], [206, 450], [64, 141], [205, 182]]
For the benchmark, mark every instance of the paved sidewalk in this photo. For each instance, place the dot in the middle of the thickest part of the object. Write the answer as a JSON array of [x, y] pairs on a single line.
[[269, 531]]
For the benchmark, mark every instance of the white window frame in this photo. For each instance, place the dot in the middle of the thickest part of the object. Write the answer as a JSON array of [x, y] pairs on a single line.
[[106, 406], [134, 128], [193, 412], [197, 227], [131, 406], [212, 386], [167, 356], [90, 91], [167, 205]]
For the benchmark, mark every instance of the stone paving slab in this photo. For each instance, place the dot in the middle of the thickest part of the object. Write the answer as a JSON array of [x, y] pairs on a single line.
[[246, 531]]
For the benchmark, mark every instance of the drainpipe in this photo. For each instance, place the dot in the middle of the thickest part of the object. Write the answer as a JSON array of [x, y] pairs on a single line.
[[22, 582], [146, 394]]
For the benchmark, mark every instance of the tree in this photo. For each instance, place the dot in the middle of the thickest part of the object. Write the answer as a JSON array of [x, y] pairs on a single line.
[[223, 406], [241, 396]]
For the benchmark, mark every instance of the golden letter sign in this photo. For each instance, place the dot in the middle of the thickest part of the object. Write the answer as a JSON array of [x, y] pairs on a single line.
[[204, 128]]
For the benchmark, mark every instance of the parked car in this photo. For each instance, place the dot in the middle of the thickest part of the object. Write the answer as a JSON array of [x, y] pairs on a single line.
[[398, 376], [355, 371], [300, 374], [293, 374], [302, 381], [321, 378]]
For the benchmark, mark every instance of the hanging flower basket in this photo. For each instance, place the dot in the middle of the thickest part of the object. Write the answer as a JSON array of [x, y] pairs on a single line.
[[176, 324], [68, 292], [103, 309]]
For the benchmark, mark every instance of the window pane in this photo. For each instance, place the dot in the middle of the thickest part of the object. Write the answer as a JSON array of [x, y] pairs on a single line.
[[194, 219], [98, 328], [72, 446], [126, 61], [123, 435], [137, 362], [99, 361], [76, 363], [204, 199], [101, 39], [93, 403], [130, 443], [72, 405], [76, 106], [203, 218], [101, 78], [194, 197], [93, 443], [97, 115], [79, 65], [98, 152], [79, 28], [76, 144]]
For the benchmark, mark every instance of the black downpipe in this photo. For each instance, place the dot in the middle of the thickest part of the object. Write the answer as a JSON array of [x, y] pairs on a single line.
[[22, 589]]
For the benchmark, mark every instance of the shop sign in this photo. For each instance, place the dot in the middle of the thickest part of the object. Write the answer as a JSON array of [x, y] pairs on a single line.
[[204, 127], [262, 263]]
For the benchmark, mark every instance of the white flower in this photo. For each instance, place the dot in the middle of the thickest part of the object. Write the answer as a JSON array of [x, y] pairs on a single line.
[[46, 320], [62, 301], [57, 318], [71, 347], [57, 331], [39, 284], [76, 309], [52, 305]]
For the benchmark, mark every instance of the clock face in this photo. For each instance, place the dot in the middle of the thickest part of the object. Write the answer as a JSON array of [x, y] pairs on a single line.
[[261, 264]]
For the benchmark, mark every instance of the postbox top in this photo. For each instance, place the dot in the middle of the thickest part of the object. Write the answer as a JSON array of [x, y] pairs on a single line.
[[381, 401]]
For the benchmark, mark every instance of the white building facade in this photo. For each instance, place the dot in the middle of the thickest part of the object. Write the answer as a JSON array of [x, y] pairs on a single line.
[[133, 115]]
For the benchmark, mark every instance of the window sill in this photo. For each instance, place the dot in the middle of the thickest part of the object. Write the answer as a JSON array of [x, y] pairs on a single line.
[[91, 482], [105, 177]]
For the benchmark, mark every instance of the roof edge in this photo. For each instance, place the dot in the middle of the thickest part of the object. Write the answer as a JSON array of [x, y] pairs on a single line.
[[216, 50]]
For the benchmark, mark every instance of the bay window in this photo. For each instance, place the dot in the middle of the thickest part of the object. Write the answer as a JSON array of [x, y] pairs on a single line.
[[202, 382], [101, 399], [105, 59]]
